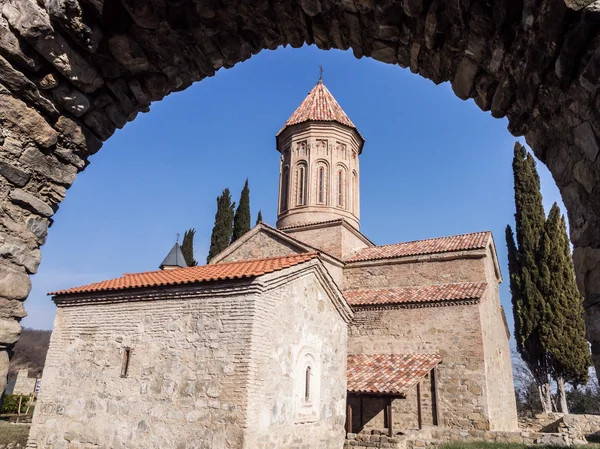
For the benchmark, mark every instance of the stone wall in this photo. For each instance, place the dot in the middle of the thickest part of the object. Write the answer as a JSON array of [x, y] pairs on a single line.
[[207, 368], [438, 436], [326, 238], [454, 332], [261, 245], [502, 407], [24, 384], [578, 427], [409, 271], [297, 327], [361, 441], [187, 376]]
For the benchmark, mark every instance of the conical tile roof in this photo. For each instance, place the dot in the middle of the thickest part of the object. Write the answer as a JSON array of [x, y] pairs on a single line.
[[319, 105], [174, 258]]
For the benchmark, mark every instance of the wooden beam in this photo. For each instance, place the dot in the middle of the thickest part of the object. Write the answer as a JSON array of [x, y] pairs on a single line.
[[349, 419], [434, 397], [390, 418], [419, 411]]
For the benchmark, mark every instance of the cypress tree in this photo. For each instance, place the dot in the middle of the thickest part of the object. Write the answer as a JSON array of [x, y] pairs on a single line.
[[187, 247], [241, 221], [223, 227], [563, 327], [259, 217], [528, 302]]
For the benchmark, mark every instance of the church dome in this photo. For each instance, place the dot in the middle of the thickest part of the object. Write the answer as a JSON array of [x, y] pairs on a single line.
[[319, 173]]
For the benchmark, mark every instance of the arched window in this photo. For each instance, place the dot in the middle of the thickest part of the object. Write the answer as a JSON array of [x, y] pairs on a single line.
[[285, 182], [340, 193], [307, 384], [321, 186], [301, 185], [354, 199]]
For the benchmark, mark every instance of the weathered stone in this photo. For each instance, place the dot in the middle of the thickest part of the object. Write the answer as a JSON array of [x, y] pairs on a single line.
[[128, 53], [15, 175], [4, 364], [19, 252], [48, 82], [69, 15], [39, 227], [311, 7], [33, 24], [27, 119], [14, 284], [413, 8], [12, 308], [9, 331], [463, 82], [143, 13], [141, 97], [68, 156], [384, 52], [586, 140], [78, 136], [19, 85], [48, 166], [30, 202], [14, 50], [72, 100], [590, 77], [575, 41]]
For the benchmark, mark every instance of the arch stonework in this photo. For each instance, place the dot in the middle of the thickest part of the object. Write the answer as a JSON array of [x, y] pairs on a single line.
[[72, 71]]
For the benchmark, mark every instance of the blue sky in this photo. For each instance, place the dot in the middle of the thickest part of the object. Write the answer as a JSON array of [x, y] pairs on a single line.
[[432, 165]]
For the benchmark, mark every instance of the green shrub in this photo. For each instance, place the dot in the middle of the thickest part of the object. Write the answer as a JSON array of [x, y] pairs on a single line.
[[10, 404]]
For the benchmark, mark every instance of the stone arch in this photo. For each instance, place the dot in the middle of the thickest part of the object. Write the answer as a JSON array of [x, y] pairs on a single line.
[[73, 71]]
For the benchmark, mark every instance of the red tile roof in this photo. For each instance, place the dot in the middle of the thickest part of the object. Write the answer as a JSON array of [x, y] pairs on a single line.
[[417, 294], [388, 373], [477, 240], [190, 275], [319, 105]]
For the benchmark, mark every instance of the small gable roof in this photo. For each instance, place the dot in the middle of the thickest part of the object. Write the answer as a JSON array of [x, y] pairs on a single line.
[[421, 294], [393, 374], [192, 275], [463, 242]]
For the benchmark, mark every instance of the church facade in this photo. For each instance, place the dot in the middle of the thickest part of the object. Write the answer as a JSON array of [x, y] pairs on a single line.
[[292, 336]]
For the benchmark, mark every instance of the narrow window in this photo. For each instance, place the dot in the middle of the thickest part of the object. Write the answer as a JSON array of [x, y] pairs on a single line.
[[301, 185], [307, 385], [284, 190], [321, 193], [125, 363], [340, 191], [353, 200]]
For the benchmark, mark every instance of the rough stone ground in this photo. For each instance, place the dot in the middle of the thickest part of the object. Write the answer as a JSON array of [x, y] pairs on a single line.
[[13, 436]]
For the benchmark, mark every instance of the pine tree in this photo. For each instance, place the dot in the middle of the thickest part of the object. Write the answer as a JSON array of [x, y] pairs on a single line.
[[259, 217], [241, 221], [563, 327], [187, 247], [528, 302], [223, 227]]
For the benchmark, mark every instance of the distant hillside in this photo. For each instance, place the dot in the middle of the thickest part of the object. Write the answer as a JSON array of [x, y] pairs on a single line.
[[30, 352]]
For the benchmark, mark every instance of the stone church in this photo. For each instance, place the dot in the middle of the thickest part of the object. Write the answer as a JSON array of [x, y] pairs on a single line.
[[291, 337]]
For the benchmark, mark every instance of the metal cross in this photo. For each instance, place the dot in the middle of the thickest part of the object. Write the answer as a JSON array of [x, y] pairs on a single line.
[[321, 73]]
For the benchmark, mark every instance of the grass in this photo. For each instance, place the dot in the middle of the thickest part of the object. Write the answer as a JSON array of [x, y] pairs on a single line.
[[13, 433], [459, 445]]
